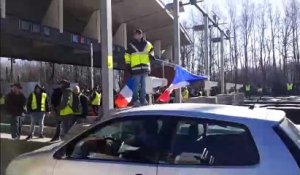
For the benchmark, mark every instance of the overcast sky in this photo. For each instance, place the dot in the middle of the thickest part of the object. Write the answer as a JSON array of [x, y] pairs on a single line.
[[222, 5]]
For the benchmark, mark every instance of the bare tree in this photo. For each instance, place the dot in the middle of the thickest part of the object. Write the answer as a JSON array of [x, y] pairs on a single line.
[[246, 29], [274, 30]]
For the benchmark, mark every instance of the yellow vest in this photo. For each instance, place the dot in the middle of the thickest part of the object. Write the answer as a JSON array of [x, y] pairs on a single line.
[[185, 95], [43, 102], [97, 100], [247, 88], [289, 86], [68, 109], [139, 60], [2, 101]]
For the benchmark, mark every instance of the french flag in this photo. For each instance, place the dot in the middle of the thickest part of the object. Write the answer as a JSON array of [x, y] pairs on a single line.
[[124, 97], [182, 79]]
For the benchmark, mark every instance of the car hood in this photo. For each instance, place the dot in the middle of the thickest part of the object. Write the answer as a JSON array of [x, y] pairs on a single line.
[[40, 161], [44, 150]]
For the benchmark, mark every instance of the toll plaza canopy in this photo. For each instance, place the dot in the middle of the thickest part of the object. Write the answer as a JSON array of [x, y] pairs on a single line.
[[61, 31]]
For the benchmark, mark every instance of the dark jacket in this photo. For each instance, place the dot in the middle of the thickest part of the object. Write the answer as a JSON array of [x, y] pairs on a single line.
[[80, 100], [66, 95], [38, 102], [56, 97], [15, 104]]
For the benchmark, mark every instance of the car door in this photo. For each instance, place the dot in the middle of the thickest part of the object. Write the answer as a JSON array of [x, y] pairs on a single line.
[[200, 147], [118, 147]]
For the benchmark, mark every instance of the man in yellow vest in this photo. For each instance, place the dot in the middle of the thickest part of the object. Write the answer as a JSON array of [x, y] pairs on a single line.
[[185, 94], [96, 100], [247, 90], [66, 107], [289, 88], [37, 106], [2, 102], [137, 58]]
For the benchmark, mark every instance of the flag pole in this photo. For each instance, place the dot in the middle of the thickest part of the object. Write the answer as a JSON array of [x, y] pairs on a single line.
[[166, 63]]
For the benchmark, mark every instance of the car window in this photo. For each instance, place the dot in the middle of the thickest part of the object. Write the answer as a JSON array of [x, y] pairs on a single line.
[[132, 140], [213, 129], [213, 143], [290, 135]]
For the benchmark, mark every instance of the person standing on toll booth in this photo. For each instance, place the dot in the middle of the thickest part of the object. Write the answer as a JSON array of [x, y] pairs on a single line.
[[96, 100], [137, 58], [15, 102], [37, 106], [66, 107]]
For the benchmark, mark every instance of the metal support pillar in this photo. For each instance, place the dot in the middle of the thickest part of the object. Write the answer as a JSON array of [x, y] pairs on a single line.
[[11, 70], [222, 64], [3, 8], [206, 45], [92, 66], [106, 57], [206, 50], [61, 16], [176, 32]]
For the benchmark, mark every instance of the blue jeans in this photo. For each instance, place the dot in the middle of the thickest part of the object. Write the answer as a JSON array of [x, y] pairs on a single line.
[[139, 84], [66, 123], [15, 126], [37, 117]]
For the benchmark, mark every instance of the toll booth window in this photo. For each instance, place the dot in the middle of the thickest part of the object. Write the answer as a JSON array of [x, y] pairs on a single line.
[[36, 28], [75, 38], [46, 31], [88, 41], [24, 25]]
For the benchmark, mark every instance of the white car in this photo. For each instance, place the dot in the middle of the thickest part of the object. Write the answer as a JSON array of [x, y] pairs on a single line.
[[174, 139]]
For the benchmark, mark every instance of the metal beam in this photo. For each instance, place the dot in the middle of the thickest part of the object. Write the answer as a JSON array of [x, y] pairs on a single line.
[[3, 8], [92, 66], [106, 57], [177, 44], [206, 46], [211, 20], [222, 64], [61, 16]]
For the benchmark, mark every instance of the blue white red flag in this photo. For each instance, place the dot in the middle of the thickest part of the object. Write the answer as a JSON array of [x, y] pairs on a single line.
[[181, 79], [125, 96]]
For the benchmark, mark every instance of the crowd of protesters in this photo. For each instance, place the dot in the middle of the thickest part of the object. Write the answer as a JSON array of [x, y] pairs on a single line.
[[68, 105]]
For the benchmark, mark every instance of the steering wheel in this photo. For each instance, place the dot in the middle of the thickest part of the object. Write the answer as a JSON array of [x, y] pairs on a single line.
[[109, 139]]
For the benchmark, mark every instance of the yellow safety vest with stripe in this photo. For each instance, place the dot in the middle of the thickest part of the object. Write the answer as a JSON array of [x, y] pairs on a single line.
[[68, 109], [97, 100], [43, 102], [247, 88], [139, 60], [185, 95], [289, 86], [2, 101]]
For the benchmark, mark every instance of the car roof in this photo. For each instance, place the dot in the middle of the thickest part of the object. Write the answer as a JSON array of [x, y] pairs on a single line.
[[209, 111]]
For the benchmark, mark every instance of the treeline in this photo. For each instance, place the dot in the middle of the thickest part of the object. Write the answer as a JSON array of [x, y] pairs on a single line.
[[263, 48]]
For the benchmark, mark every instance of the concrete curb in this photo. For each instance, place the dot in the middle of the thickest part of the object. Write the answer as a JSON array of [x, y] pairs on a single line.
[[48, 131]]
